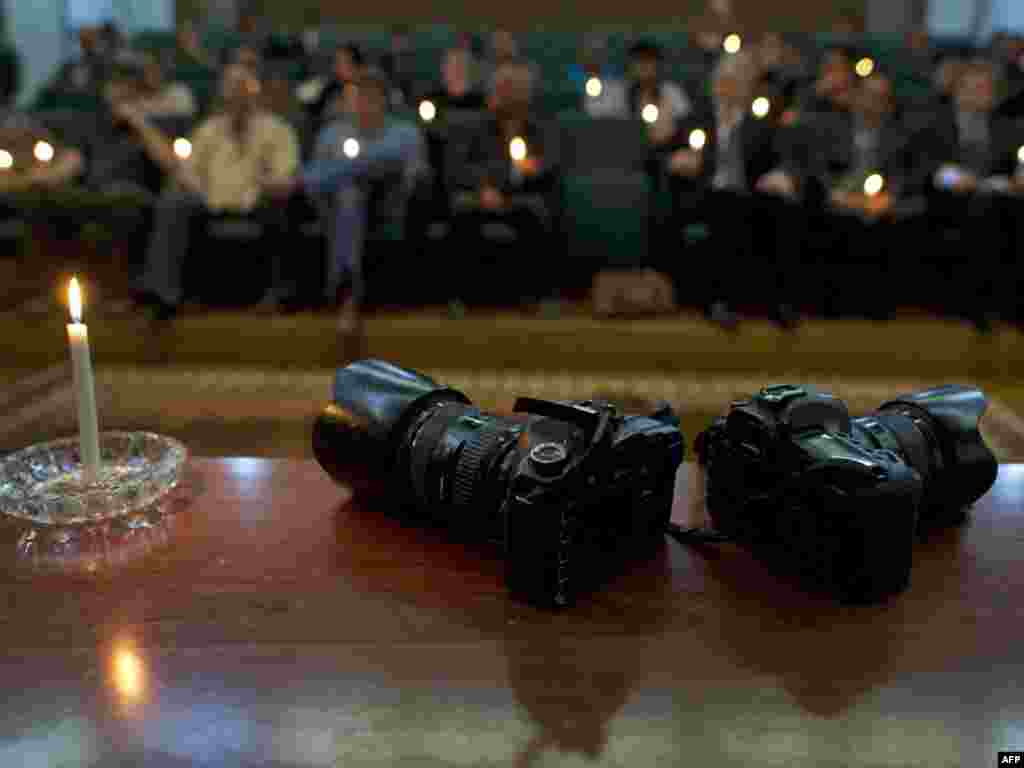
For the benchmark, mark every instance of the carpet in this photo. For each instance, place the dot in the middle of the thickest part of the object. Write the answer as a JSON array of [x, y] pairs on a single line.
[[221, 412]]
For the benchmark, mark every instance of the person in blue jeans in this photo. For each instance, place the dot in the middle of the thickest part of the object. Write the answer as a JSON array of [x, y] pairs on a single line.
[[362, 171]]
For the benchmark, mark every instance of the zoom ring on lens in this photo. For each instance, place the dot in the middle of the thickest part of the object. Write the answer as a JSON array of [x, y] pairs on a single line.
[[467, 468]]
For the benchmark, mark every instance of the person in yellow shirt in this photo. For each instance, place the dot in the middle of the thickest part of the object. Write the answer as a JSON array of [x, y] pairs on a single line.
[[235, 156]]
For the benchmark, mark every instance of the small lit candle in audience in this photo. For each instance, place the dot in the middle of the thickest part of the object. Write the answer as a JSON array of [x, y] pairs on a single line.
[[350, 148], [650, 113], [427, 111], [873, 184], [761, 107], [6, 160], [517, 149], [43, 151], [1020, 159], [865, 67], [732, 43], [594, 87], [182, 148], [698, 138], [85, 393]]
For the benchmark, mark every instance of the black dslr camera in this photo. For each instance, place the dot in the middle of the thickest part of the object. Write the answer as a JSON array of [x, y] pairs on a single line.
[[568, 489], [837, 502]]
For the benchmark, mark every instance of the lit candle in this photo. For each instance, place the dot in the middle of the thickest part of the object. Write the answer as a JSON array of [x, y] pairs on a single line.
[[732, 43], [873, 184], [427, 111], [182, 148], [85, 394], [517, 151], [351, 148], [43, 151], [6, 160], [650, 114], [1020, 161], [594, 87], [698, 138], [865, 67], [761, 107]]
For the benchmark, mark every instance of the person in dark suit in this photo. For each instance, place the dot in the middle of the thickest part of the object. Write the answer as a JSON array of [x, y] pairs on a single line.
[[972, 161], [506, 173], [725, 169], [833, 90], [325, 97], [863, 164]]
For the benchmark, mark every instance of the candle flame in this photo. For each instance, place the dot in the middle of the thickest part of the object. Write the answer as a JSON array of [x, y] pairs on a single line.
[[6, 160], [761, 107], [427, 111], [650, 113], [128, 674], [732, 43], [1020, 155], [351, 148], [182, 148], [594, 87], [873, 184], [698, 138], [43, 151], [75, 300], [865, 67], [517, 148]]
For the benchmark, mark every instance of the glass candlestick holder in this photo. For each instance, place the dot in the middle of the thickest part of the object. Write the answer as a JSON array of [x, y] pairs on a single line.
[[66, 520]]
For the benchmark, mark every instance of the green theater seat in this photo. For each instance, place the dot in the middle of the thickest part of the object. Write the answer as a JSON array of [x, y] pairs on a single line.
[[607, 219]]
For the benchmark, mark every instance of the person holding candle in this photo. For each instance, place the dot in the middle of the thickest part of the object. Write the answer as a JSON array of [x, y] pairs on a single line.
[[236, 156], [362, 172], [31, 158], [647, 86], [505, 176], [725, 167]]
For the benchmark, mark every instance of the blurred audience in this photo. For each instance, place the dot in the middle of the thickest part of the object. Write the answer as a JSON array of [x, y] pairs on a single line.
[[363, 170], [833, 90], [31, 158], [723, 167], [235, 157], [399, 65], [659, 102], [506, 173]]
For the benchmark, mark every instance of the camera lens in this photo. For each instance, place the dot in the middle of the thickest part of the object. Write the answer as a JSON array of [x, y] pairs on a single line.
[[452, 457], [936, 432]]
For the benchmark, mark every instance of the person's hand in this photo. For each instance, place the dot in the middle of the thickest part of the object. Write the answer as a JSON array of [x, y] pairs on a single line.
[[529, 165], [777, 183], [686, 162], [1017, 184], [491, 198]]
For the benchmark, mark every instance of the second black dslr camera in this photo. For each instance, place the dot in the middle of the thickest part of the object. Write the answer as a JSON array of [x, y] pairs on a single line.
[[568, 489], [836, 501]]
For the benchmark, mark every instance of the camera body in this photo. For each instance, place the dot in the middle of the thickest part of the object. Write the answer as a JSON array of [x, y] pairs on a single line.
[[569, 490], [837, 502], [786, 480]]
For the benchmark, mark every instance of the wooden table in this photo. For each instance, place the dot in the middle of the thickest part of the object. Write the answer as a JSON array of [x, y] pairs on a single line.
[[286, 626]]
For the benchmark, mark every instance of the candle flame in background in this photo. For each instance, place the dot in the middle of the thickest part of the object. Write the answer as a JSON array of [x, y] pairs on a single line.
[[698, 138], [865, 67], [761, 107], [650, 113], [43, 151], [873, 184], [350, 148], [1020, 155], [732, 43], [6, 160], [75, 300], [427, 111], [594, 87], [183, 148], [517, 149], [128, 673]]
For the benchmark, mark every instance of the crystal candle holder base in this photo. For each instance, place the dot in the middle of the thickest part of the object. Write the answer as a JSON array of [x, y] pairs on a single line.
[[45, 484]]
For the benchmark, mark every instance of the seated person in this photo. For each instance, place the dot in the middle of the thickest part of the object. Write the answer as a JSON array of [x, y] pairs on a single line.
[[646, 85], [507, 173], [324, 97], [363, 168], [457, 89], [25, 170], [502, 47], [602, 93], [975, 183], [237, 154], [732, 171]]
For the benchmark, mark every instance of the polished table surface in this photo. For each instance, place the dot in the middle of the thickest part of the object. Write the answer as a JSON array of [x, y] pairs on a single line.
[[284, 625]]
